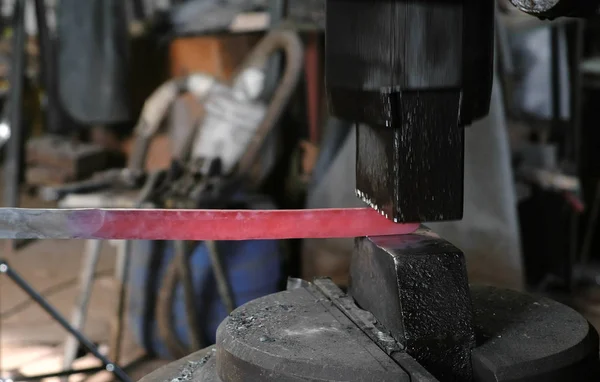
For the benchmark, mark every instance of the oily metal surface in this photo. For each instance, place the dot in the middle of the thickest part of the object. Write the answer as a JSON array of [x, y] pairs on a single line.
[[416, 287], [298, 336], [412, 74], [530, 339]]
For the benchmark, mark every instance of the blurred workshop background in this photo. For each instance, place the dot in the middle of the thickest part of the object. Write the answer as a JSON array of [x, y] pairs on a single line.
[[220, 104]]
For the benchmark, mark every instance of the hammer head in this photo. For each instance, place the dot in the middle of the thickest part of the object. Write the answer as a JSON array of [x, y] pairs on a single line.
[[412, 74]]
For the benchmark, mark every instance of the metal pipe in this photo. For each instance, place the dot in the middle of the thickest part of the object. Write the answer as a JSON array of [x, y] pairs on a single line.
[[13, 158]]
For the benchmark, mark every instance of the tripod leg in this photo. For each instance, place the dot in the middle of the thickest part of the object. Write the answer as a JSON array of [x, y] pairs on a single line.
[[122, 274], [35, 296], [86, 282]]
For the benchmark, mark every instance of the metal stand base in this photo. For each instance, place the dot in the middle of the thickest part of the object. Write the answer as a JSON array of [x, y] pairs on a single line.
[[89, 346]]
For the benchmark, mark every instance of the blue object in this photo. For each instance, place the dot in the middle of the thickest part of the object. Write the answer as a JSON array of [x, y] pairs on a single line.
[[253, 269]]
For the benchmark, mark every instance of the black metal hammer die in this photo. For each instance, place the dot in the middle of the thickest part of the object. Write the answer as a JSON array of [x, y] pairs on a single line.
[[416, 286]]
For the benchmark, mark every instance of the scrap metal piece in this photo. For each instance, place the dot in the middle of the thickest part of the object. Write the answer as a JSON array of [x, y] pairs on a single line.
[[416, 286], [526, 338]]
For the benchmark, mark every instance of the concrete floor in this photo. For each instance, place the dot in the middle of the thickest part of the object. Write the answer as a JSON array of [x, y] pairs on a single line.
[[31, 343]]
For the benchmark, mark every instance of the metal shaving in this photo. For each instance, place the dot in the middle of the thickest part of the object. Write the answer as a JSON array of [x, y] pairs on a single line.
[[188, 371]]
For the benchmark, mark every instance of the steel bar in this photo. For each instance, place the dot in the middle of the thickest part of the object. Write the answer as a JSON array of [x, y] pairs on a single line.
[[197, 225], [17, 279]]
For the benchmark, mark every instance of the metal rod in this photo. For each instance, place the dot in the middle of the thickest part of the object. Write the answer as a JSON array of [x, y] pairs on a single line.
[[277, 11], [123, 263], [86, 281], [17, 279], [14, 152], [182, 255]]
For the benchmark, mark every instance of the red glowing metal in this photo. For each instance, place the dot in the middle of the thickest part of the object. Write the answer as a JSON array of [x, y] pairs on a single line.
[[217, 225]]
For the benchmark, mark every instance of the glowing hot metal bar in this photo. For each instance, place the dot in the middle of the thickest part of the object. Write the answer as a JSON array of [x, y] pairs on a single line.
[[197, 225]]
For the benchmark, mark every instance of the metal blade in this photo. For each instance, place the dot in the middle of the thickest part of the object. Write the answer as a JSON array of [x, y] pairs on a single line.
[[197, 225]]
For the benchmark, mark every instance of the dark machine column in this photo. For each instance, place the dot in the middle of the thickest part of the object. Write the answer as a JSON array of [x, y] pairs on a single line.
[[412, 74]]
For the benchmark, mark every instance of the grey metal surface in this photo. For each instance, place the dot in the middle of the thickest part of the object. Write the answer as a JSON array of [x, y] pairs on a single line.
[[313, 329], [531, 339], [298, 336], [199, 366], [369, 325], [416, 286]]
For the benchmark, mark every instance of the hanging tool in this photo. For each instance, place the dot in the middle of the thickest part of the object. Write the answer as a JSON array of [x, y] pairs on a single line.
[[237, 123]]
